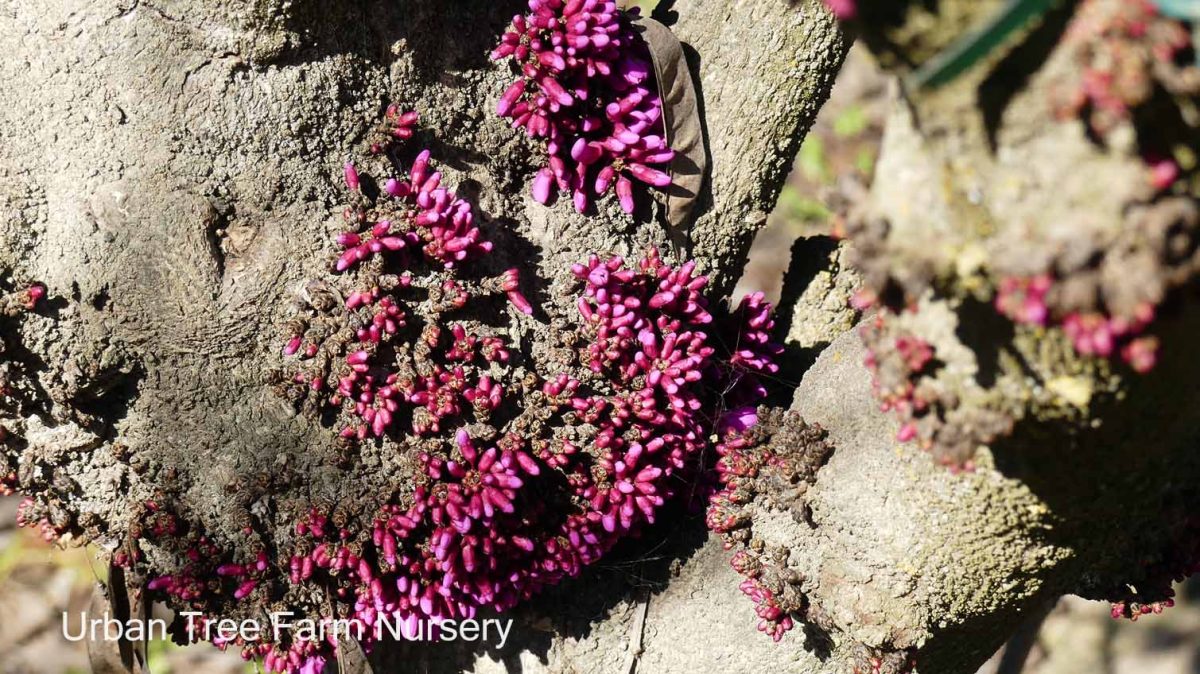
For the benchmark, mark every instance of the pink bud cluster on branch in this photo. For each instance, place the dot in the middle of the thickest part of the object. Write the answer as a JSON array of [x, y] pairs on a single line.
[[18, 301], [868, 660], [1153, 589], [201, 578], [484, 527], [195, 578], [398, 125], [755, 357], [904, 378], [1124, 50], [844, 10], [1108, 304], [33, 295], [426, 217], [1128, 54], [1092, 333], [759, 450], [515, 472], [413, 241], [898, 365], [31, 515], [8, 480], [587, 90], [24, 300]]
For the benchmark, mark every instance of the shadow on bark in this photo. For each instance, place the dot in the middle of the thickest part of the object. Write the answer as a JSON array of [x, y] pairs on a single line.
[[1109, 484], [319, 29], [635, 570]]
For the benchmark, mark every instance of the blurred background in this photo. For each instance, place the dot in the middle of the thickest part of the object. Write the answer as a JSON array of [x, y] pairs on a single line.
[[39, 581]]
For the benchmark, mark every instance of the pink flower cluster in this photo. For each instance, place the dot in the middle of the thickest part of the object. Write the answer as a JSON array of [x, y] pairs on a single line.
[[376, 395], [398, 125], [479, 530], [1154, 590], [616, 302], [1164, 171], [844, 10], [905, 379], [27, 518], [434, 221], [195, 578], [755, 357], [33, 295], [1122, 48], [1023, 299], [587, 88], [17, 301], [1095, 334], [418, 224], [1127, 52], [895, 371], [756, 354], [199, 579], [759, 450], [1134, 610], [884, 661], [739, 464], [774, 620]]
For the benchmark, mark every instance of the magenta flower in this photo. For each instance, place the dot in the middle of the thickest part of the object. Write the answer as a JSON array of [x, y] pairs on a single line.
[[587, 88], [844, 10], [739, 420], [521, 478]]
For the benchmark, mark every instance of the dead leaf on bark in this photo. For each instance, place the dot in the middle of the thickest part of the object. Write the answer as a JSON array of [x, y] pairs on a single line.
[[684, 128], [119, 656], [351, 658]]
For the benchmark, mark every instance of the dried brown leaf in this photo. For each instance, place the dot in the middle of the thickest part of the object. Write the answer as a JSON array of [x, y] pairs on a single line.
[[352, 659], [121, 656], [684, 128]]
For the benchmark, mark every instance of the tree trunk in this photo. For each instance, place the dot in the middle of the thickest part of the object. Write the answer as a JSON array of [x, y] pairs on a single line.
[[171, 171]]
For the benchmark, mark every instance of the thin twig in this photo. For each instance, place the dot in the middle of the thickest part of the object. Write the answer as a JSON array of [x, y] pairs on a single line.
[[639, 632], [1017, 650]]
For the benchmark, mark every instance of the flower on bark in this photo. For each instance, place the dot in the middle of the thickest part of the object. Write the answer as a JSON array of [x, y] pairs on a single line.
[[587, 90]]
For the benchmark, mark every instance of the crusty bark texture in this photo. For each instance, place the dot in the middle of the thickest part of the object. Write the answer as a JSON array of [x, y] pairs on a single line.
[[171, 171]]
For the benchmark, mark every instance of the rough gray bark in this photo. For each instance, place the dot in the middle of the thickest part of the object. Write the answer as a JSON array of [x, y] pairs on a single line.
[[196, 191], [1083, 491], [170, 172]]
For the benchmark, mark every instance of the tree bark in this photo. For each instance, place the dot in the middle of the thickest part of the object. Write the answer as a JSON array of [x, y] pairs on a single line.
[[1083, 495], [170, 172]]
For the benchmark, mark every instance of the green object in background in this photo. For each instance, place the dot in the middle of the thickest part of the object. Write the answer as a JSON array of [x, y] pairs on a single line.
[[960, 56], [799, 209], [1188, 10], [851, 122], [647, 6], [811, 160], [1184, 10], [864, 161]]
